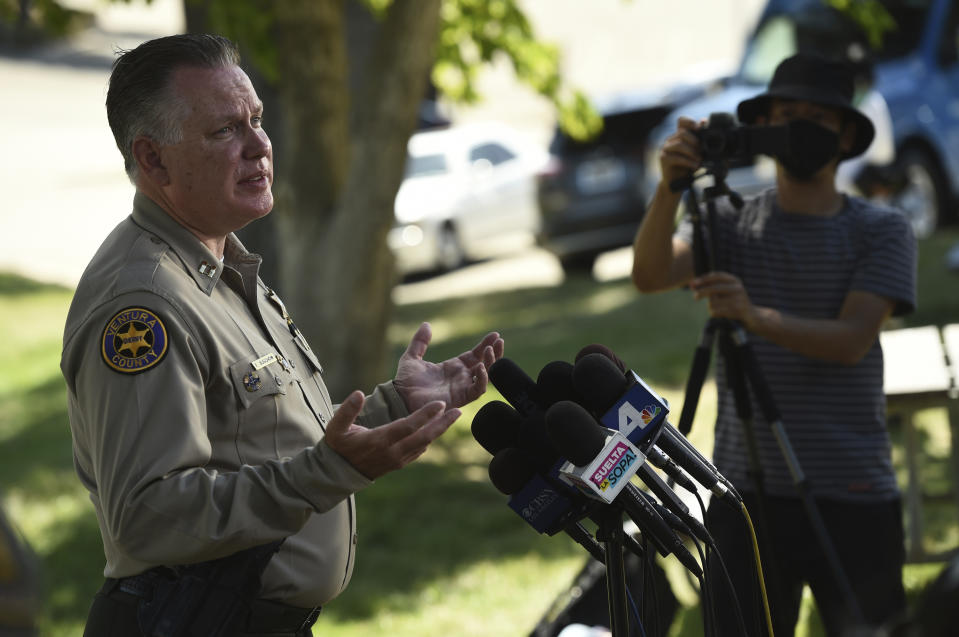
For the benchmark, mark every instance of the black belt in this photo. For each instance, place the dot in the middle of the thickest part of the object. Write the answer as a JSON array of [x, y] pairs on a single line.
[[265, 615], [268, 615]]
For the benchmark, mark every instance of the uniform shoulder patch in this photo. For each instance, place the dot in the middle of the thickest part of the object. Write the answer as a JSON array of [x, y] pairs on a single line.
[[134, 340]]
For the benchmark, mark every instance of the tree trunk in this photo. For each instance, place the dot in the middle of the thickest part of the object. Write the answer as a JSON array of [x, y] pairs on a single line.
[[339, 173]]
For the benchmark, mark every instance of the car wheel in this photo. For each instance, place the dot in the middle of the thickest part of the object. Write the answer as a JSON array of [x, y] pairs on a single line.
[[449, 251], [923, 194], [578, 264]]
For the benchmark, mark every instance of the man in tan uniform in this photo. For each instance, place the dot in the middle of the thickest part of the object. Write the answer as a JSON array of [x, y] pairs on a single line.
[[201, 423]]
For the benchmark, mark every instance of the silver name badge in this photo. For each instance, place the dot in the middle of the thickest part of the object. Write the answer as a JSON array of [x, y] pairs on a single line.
[[263, 361]]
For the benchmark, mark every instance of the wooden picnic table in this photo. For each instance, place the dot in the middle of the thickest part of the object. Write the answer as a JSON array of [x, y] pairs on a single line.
[[922, 372]]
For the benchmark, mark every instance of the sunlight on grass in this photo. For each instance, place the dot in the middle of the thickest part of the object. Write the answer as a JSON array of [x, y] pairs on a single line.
[[501, 597], [47, 522], [610, 299], [30, 329], [935, 425]]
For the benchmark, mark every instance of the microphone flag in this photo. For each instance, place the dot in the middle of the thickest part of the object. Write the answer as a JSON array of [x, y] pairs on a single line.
[[639, 414], [609, 472]]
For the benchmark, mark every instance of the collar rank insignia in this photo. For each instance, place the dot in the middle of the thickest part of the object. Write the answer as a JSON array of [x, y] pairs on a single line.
[[134, 340]]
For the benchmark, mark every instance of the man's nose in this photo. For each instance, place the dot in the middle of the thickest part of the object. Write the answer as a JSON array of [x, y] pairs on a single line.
[[257, 144]]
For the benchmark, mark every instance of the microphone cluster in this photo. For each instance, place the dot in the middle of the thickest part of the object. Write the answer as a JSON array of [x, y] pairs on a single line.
[[567, 445]]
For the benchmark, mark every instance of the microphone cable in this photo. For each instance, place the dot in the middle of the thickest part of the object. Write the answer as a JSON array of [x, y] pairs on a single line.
[[709, 617], [759, 568], [635, 611]]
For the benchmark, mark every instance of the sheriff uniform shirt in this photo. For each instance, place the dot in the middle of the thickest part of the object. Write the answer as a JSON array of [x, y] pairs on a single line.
[[198, 411]]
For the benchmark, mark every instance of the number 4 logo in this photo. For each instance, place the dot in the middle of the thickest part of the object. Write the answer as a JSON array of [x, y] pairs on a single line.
[[629, 418]]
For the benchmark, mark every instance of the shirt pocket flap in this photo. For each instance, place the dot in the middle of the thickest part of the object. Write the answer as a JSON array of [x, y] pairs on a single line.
[[252, 384]]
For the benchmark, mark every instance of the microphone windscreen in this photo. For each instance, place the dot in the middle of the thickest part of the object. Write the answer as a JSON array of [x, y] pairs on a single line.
[[597, 348], [576, 434], [555, 383], [509, 471], [534, 441], [496, 426], [514, 384], [599, 382]]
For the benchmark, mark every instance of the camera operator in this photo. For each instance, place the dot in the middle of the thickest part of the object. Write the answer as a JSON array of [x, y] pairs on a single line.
[[811, 274]]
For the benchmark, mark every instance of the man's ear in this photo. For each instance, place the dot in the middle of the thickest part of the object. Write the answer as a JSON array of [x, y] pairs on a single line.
[[146, 153]]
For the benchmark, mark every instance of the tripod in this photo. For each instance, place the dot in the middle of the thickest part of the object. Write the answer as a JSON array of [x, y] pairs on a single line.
[[744, 374]]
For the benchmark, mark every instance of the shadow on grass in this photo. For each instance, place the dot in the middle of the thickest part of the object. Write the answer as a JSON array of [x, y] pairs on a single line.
[[72, 569], [425, 524], [38, 456], [38, 464]]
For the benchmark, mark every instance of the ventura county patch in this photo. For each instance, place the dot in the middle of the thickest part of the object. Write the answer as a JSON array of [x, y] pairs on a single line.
[[134, 340]]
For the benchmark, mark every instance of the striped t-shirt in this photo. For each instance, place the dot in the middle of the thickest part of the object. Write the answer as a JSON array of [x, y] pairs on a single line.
[[834, 415]]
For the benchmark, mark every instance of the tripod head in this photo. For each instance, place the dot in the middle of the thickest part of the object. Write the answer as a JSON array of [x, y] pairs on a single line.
[[704, 258]]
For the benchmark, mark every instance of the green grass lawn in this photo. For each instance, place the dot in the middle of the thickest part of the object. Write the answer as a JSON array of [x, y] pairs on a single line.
[[439, 552]]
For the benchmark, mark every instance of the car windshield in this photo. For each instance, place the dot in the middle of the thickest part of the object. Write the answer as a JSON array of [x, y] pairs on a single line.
[[816, 28], [425, 165]]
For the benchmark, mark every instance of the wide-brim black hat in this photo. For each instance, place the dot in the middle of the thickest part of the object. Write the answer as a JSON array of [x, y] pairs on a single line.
[[812, 78]]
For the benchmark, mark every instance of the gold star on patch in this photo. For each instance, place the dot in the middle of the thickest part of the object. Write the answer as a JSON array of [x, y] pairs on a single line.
[[133, 339]]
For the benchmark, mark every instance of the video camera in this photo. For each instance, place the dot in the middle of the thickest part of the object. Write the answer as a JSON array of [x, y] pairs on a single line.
[[724, 141]]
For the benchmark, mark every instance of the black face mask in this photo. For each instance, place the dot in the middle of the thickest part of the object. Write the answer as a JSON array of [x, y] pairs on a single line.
[[811, 147]]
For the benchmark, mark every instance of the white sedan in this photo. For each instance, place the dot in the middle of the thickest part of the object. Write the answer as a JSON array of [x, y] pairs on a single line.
[[469, 193]]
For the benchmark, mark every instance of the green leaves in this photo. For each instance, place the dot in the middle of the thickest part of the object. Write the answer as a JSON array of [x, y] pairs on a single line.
[[871, 16], [475, 32]]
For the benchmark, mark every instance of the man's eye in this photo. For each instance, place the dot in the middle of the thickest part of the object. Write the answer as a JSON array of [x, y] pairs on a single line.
[[257, 121], [226, 130]]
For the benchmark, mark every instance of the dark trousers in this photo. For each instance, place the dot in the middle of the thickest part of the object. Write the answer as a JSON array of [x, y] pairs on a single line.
[[867, 537], [114, 614]]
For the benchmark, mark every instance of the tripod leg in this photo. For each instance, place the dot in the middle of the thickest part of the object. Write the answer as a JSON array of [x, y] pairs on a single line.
[[697, 375], [773, 417], [611, 534]]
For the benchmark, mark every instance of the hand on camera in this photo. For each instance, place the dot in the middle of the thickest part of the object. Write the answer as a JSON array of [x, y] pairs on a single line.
[[680, 154]]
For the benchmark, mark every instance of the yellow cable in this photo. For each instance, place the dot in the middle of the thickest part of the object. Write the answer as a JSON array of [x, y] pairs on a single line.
[[759, 568]]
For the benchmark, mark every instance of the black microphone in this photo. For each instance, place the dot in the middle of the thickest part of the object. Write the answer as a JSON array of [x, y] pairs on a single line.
[[543, 500], [530, 399], [586, 377], [600, 464], [515, 385], [555, 383], [602, 386], [496, 426], [596, 348], [510, 473], [629, 406]]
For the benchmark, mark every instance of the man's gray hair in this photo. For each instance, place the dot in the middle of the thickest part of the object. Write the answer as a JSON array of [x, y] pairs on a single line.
[[140, 101]]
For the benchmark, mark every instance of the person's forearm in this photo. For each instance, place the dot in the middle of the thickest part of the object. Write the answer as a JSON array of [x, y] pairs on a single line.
[[841, 341], [653, 247]]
